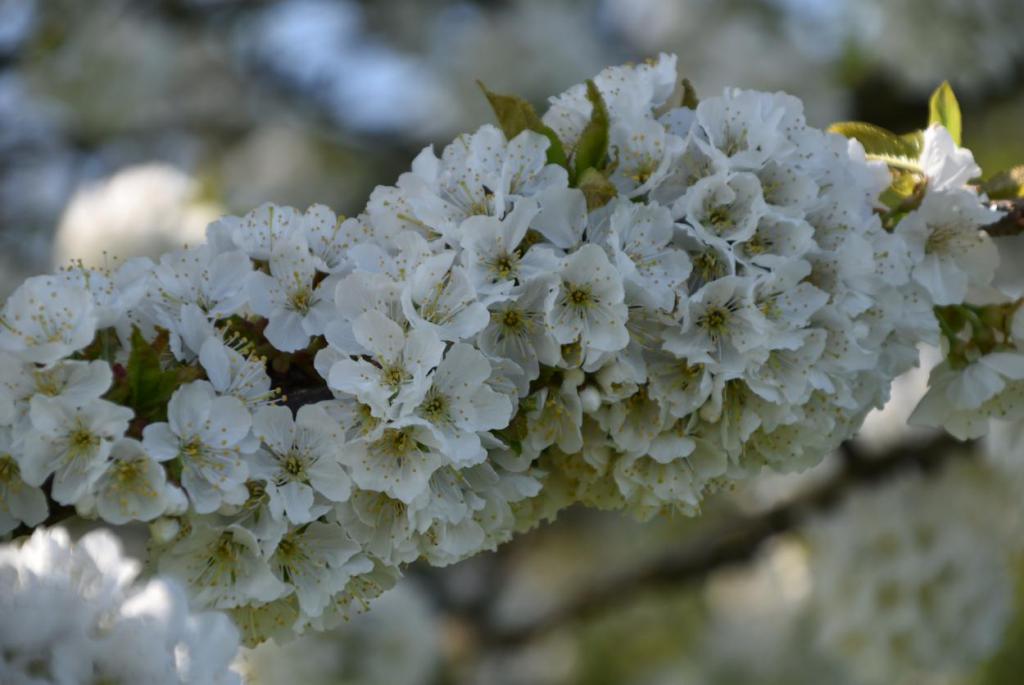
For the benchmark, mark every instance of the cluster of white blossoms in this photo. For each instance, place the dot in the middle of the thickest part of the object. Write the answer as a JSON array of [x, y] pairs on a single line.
[[71, 614], [917, 575], [981, 375], [629, 308]]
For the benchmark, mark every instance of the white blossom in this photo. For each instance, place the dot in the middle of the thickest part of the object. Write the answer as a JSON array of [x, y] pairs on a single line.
[[208, 434], [299, 459], [19, 501], [46, 319], [295, 306], [949, 250], [133, 487], [73, 612], [588, 304], [72, 442], [222, 567]]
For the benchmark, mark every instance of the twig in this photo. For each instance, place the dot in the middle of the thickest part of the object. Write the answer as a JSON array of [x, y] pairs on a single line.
[[732, 542]]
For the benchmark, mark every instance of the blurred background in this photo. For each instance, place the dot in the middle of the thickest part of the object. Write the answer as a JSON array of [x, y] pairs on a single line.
[[127, 125]]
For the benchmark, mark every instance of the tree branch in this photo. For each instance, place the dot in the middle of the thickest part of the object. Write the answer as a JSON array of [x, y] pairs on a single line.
[[731, 542]]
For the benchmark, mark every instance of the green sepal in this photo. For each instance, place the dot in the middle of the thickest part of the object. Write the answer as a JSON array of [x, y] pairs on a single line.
[[516, 115], [592, 148]]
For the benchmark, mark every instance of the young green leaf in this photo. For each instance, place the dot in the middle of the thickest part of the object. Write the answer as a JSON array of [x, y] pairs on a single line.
[[901, 152], [945, 110], [516, 115], [145, 386], [592, 147]]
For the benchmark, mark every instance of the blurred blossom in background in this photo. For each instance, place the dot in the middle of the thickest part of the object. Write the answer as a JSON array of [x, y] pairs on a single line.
[[127, 125]]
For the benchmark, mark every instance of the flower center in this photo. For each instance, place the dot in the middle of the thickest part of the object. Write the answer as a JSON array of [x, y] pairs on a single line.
[[397, 443], [435, 408], [193, 448], [301, 299], [720, 218], [714, 321], [579, 296], [393, 376], [505, 266], [293, 465], [940, 239], [82, 441], [9, 470], [126, 471], [512, 319]]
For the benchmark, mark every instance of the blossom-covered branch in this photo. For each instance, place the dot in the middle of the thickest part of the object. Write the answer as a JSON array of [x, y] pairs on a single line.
[[629, 302]]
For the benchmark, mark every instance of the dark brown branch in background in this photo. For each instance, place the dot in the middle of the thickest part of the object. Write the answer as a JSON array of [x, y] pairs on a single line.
[[730, 542], [297, 398]]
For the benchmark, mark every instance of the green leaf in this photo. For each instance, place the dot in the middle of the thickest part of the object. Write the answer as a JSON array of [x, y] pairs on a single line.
[[944, 109], [897, 151], [145, 385], [597, 189], [592, 147], [516, 115]]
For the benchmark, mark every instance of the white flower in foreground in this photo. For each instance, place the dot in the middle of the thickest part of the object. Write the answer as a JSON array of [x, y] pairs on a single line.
[[295, 305], [46, 319], [233, 372], [518, 330], [314, 560], [19, 501], [72, 442], [726, 207], [440, 298], [480, 173], [962, 400], [947, 166], [629, 91], [299, 459], [260, 231], [76, 382], [494, 258], [330, 237], [947, 245], [720, 323], [588, 305], [208, 434], [72, 613], [399, 461], [212, 281], [459, 404], [401, 360], [134, 486], [640, 238], [221, 567]]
